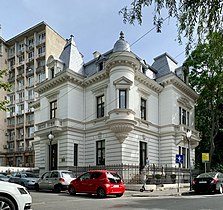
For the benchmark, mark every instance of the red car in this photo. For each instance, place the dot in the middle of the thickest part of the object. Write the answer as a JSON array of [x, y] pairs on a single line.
[[100, 182]]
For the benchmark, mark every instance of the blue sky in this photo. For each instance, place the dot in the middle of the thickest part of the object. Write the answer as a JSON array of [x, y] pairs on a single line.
[[95, 25]]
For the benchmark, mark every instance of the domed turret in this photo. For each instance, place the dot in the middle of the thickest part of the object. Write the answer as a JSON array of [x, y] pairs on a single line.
[[121, 45]]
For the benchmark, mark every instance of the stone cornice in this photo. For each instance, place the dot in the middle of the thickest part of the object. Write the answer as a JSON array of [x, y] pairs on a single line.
[[142, 79], [122, 59], [62, 77], [179, 84], [96, 78]]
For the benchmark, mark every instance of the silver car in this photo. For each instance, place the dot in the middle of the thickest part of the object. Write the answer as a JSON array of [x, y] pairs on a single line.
[[56, 180], [25, 179]]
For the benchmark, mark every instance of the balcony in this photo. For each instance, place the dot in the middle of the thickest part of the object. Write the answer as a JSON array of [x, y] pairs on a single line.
[[40, 69], [53, 124], [40, 55], [180, 133], [29, 48], [11, 79], [29, 72], [40, 42], [121, 122]]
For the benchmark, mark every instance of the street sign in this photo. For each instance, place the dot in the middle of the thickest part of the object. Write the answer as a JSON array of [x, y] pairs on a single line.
[[205, 157], [179, 159]]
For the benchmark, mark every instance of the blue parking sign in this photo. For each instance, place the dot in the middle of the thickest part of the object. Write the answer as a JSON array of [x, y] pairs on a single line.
[[179, 159]]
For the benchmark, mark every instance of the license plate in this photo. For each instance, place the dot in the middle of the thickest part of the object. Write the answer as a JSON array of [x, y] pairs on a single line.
[[116, 186], [202, 182]]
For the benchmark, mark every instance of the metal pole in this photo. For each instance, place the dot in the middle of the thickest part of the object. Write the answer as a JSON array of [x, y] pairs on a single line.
[[178, 188], [50, 155], [189, 164]]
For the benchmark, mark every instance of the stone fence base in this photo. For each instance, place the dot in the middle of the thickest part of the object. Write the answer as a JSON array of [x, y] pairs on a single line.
[[137, 187]]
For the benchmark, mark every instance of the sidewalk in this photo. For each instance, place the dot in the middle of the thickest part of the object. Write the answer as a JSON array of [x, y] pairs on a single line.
[[159, 193]]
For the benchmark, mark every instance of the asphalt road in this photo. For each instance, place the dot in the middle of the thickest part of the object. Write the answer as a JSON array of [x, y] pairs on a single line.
[[63, 201]]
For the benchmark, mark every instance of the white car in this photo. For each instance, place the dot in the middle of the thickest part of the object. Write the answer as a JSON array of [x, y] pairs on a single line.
[[14, 197], [56, 180]]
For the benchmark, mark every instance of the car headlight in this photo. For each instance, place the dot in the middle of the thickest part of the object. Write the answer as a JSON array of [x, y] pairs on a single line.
[[22, 190]]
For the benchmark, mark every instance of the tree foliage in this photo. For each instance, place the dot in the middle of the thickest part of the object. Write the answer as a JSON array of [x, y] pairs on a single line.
[[6, 86], [205, 66], [194, 17]]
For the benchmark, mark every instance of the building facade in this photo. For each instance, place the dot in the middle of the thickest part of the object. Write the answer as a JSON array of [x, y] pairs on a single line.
[[115, 109], [25, 58], [3, 125]]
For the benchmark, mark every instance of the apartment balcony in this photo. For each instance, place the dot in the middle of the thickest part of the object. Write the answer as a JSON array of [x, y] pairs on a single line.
[[56, 125], [29, 48], [30, 60], [121, 122], [20, 149], [21, 75], [29, 72], [31, 136], [29, 122], [10, 150], [180, 133], [40, 42], [11, 126], [11, 79], [40, 69], [11, 55], [40, 55]]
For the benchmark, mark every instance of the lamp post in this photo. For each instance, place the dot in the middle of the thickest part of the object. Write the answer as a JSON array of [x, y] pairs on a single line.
[[50, 137], [188, 135]]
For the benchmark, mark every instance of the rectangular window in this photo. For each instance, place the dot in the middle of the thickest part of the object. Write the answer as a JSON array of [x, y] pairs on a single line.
[[122, 99], [75, 154], [100, 152], [53, 109], [184, 116], [142, 153], [100, 106], [143, 109]]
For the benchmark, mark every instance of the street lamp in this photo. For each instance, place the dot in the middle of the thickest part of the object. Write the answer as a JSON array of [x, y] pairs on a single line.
[[50, 137], [188, 135]]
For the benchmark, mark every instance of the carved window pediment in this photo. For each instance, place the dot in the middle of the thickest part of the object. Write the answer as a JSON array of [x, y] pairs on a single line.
[[123, 82], [185, 103]]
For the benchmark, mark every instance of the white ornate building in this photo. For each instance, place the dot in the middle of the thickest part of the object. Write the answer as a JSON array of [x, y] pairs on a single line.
[[115, 109]]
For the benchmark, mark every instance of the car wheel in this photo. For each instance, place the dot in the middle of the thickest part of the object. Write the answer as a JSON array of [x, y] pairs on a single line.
[[57, 188], [220, 189], [101, 193], [6, 203], [119, 195], [72, 190], [37, 187]]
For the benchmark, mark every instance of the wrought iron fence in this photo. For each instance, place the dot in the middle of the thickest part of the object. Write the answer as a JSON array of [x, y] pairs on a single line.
[[132, 174]]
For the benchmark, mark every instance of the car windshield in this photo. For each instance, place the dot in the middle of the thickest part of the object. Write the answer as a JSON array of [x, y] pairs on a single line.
[[207, 175], [68, 174]]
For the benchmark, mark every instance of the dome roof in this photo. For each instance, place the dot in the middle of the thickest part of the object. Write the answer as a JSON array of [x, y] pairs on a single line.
[[121, 45]]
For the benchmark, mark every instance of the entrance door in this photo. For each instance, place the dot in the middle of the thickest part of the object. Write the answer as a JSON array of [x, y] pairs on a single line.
[[54, 157]]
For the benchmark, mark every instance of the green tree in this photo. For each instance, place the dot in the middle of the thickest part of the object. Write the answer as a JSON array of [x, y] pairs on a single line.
[[205, 65], [6, 86], [198, 17]]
